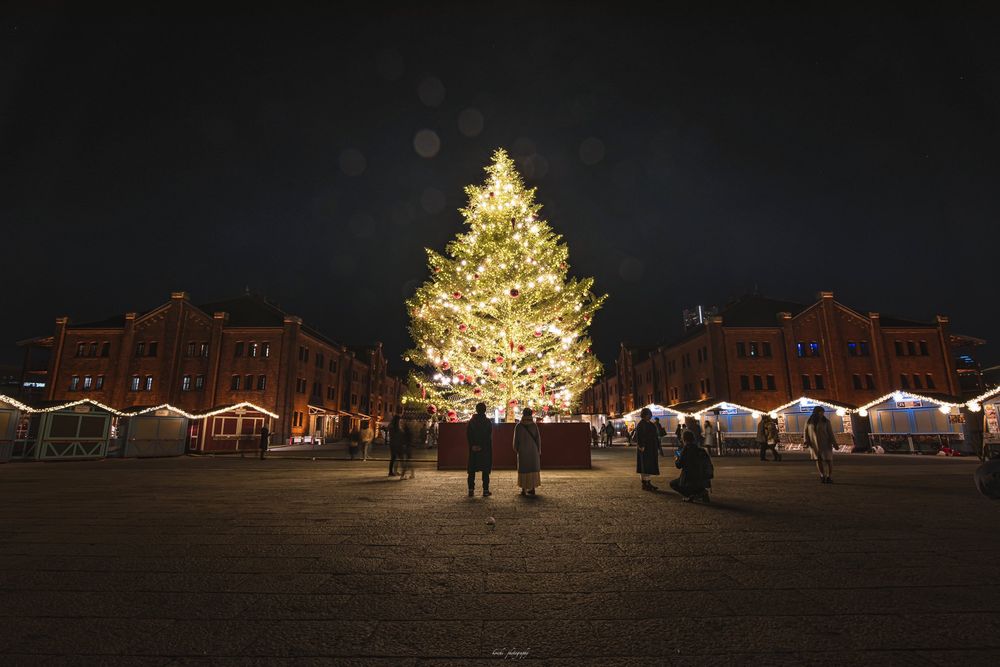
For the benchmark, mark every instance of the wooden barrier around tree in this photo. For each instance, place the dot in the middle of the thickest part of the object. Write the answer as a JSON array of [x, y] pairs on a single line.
[[565, 445]]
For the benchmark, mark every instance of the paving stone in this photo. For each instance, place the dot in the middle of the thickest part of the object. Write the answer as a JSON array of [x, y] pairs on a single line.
[[226, 561]]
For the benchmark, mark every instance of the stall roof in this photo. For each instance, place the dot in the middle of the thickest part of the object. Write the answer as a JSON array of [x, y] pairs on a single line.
[[899, 395], [835, 405], [652, 406], [51, 406]]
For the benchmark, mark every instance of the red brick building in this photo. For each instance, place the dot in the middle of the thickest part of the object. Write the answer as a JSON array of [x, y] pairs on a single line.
[[761, 352], [198, 357]]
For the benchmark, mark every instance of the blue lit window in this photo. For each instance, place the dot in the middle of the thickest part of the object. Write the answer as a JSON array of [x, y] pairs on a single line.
[[814, 348], [800, 349]]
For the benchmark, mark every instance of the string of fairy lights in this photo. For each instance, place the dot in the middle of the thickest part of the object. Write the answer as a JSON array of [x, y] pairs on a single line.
[[245, 405]]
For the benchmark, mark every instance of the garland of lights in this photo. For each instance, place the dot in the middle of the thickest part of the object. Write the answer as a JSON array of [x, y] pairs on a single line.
[[135, 413]]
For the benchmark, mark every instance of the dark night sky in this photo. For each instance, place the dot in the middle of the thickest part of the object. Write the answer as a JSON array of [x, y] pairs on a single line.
[[686, 159]]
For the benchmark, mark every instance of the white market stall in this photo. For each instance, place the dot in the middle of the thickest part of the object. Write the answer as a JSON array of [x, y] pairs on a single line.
[[157, 431], [76, 430], [792, 418], [736, 425], [11, 411], [906, 423]]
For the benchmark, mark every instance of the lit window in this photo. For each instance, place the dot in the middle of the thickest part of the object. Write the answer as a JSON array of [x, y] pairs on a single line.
[[74, 383], [99, 384], [199, 382], [81, 349], [265, 350], [234, 383], [186, 383], [93, 350], [140, 349], [135, 383], [800, 349], [814, 348], [252, 350], [149, 383], [88, 382], [204, 349], [191, 349], [261, 382], [753, 349]]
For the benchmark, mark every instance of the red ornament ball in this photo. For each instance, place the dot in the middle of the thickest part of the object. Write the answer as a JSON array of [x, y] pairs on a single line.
[[520, 348], [457, 295], [445, 365], [538, 333], [463, 327], [514, 293], [461, 377], [513, 401], [437, 269], [499, 360], [431, 409], [477, 391], [476, 276]]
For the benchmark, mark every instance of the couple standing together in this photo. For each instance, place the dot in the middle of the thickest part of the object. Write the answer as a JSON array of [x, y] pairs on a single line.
[[527, 446]]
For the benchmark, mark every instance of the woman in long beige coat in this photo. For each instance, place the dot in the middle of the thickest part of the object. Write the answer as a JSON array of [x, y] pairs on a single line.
[[819, 438], [528, 447]]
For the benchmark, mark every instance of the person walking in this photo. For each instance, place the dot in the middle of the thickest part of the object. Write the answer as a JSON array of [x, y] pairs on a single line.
[[647, 440], [679, 433], [696, 469], [479, 433], [395, 444], [528, 447], [773, 438], [763, 428], [265, 436], [711, 437], [609, 432], [819, 439], [366, 436], [593, 436], [414, 434]]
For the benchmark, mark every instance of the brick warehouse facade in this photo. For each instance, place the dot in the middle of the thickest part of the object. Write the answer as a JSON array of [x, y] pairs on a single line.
[[761, 352], [198, 357]]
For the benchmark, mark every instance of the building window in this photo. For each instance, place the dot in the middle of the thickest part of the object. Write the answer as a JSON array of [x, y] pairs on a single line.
[[745, 382], [904, 380], [300, 386], [319, 360], [899, 348], [856, 378], [930, 381], [191, 349], [204, 350], [152, 348], [741, 349], [708, 386], [765, 349], [354, 399], [93, 350], [81, 349], [261, 382], [134, 384], [852, 348], [74, 383], [248, 385], [818, 381], [701, 383], [140, 349], [354, 375], [770, 383], [238, 350], [105, 349], [265, 350], [923, 349], [753, 349], [800, 349], [149, 383], [863, 348], [186, 383], [252, 350], [199, 382], [758, 382], [806, 383], [234, 383], [869, 381], [99, 383], [911, 348], [814, 349], [333, 366], [918, 383], [304, 354], [88, 382]]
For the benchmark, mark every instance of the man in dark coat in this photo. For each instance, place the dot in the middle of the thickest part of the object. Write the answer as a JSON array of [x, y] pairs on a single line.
[[480, 436], [609, 431], [647, 452], [264, 436], [695, 465]]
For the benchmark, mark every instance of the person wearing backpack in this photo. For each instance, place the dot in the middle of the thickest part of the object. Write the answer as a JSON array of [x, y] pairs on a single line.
[[696, 469]]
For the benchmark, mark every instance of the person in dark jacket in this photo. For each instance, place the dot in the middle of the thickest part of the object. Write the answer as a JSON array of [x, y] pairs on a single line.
[[695, 428], [609, 432], [395, 445], [693, 462], [479, 433], [265, 435], [647, 439]]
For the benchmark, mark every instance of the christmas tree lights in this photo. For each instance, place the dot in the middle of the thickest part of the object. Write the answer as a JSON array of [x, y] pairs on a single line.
[[500, 320]]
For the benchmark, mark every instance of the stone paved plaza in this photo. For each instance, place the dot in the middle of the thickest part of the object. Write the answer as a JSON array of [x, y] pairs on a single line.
[[294, 561]]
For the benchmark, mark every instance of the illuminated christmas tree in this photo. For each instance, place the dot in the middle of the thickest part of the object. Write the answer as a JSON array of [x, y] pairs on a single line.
[[500, 320]]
